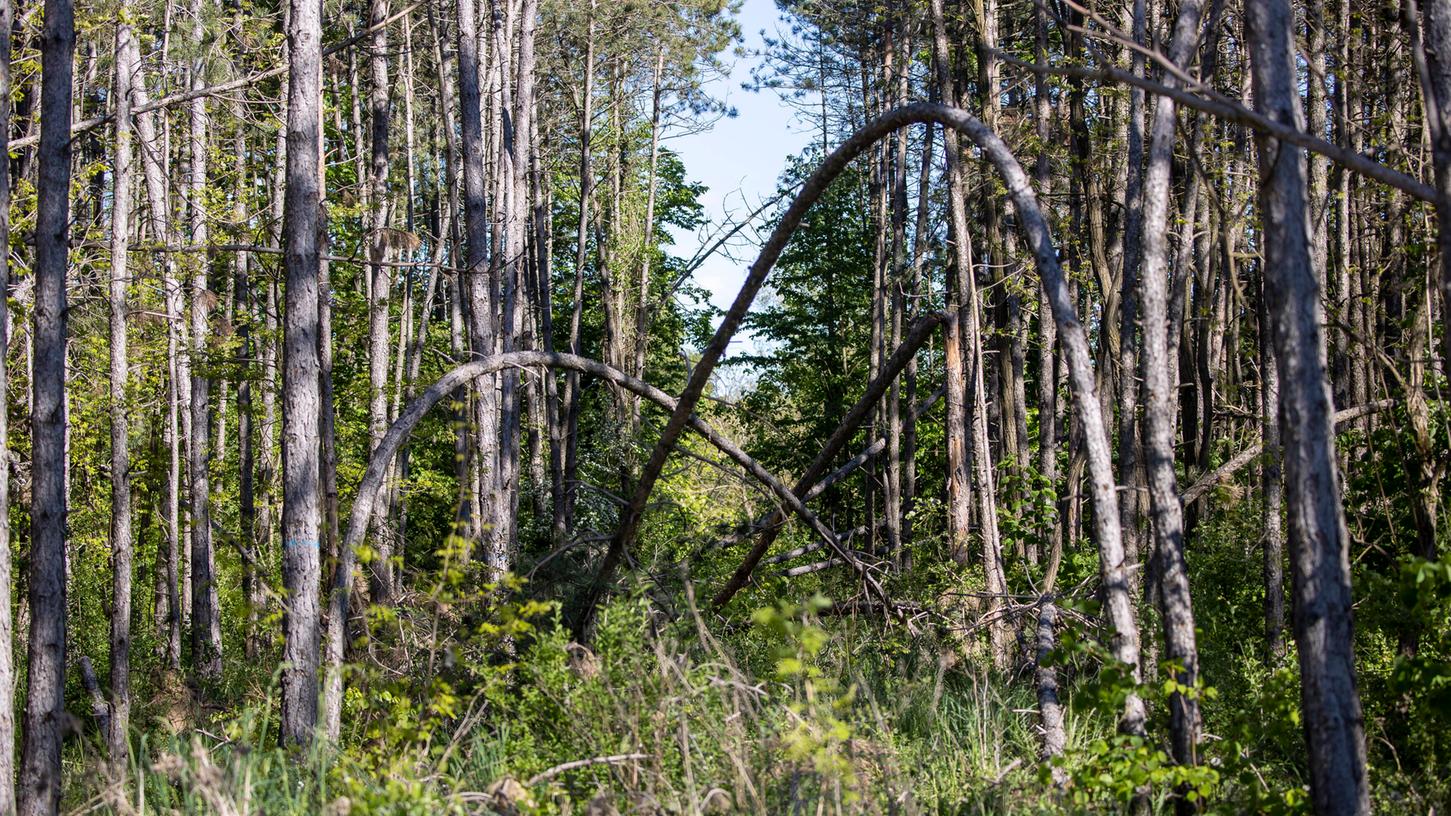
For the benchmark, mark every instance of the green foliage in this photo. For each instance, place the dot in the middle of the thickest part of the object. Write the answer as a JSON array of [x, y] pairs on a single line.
[[814, 328]]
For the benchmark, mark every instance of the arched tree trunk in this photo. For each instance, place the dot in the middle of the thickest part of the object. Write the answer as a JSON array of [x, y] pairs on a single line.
[[1119, 607], [381, 458]]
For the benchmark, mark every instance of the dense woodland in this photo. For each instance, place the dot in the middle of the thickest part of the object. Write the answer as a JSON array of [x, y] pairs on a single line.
[[370, 445]]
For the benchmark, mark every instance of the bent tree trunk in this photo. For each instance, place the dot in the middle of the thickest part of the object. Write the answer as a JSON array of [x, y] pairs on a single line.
[[40, 771], [917, 337], [382, 456], [1334, 725], [301, 506], [1113, 575]]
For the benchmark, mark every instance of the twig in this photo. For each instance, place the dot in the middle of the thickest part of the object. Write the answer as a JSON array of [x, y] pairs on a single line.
[[544, 776]]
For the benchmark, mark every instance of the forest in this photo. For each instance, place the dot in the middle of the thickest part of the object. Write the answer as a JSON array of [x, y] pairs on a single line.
[[372, 442]]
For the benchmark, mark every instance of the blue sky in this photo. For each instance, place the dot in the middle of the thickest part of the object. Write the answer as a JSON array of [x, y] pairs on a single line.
[[738, 159]]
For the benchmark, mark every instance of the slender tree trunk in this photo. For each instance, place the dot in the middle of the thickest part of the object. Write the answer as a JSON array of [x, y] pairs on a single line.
[[121, 545], [462, 448], [1130, 506], [1272, 485], [647, 249], [1436, 25], [1047, 329], [1334, 725], [380, 573], [7, 624], [1433, 56], [206, 625], [267, 465], [39, 783], [153, 160], [476, 275], [517, 140], [327, 415], [896, 301], [244, 306], [543, 269], [1050, 708], [999, 631], [959, 504], [1316, 119], [301, 511], [564, 508], [1167, 510]]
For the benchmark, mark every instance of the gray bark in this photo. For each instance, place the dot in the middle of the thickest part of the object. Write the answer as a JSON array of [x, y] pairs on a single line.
[[153, 158], [1436, 37], [476, 275], [7, 625], [1333, 722], [301, 510], [564, 506], [1161, 398], [206, 625], [380, 573], [642, 303], [1050, 707], [1129, 473], [969, 338], [1272, 486], [39, 782], [122, 172]]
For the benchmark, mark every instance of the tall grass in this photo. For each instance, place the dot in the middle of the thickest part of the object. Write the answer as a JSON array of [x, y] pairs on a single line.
[[662, 717]]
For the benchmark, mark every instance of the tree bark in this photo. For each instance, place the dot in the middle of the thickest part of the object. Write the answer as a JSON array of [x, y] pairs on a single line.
[[380, 569], [7, 624], [564, 505], [1272, 485], [481, 302], [1160, 393], [1130, 508], [153, 159], [968, 335], [206, 625], [1334, 725], [122, 171], [1436, 33], [647, 249], [301, 511], [1047, 330], [40, 768]]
